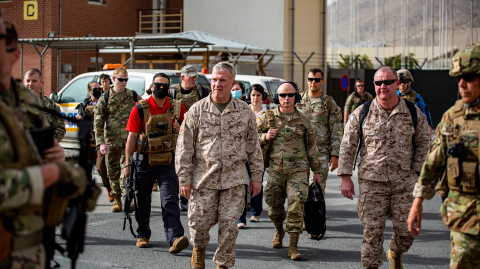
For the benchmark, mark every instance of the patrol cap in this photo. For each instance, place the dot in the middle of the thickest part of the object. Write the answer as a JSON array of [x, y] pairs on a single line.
[[404, 74], [466, 61], [189, 70]]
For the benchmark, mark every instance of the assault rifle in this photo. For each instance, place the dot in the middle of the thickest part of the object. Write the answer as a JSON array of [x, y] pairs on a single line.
[[130, 192], [75, 219]]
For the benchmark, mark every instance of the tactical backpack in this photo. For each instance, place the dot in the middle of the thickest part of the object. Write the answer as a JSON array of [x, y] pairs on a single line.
[[363, 114], [107, 95], [158, 140], [200, 92], [266, 148]]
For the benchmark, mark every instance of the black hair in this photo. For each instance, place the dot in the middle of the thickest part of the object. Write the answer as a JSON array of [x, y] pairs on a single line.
[[162, 75], [12, 35], [315, 70], [257, 87]]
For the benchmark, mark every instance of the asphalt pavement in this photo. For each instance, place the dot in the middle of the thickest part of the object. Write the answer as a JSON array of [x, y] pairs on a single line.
[[107, 245]]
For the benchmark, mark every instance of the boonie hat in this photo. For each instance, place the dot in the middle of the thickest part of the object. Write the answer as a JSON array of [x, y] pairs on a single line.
[[466, 61], [404, 74], [189, 70]]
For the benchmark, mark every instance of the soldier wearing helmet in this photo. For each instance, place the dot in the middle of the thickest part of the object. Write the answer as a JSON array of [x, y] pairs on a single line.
[[405, 91], [454, 160]]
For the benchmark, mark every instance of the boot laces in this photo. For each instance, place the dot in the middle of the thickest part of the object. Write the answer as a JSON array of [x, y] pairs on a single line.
[[198, 256]]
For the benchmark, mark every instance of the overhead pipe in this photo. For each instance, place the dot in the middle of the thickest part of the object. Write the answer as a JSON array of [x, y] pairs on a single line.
[[292, 65]]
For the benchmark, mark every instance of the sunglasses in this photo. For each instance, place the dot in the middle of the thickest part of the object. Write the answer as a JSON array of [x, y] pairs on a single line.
[[95, 89], [404, 81], [161, 85], [122, 79], [317, 80], [361, 85], [467, 77], [283, 95], [386, 82]]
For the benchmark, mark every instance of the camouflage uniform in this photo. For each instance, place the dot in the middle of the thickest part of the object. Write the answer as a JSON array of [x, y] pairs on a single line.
[[55, 122], [387, 173], [459, 187], [292, 151], [354, 100], [328, 130], [110, 123], [219, 145]]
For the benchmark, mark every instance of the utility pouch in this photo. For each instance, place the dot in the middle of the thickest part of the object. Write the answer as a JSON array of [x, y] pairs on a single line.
[[161, 144], [469, 177], [453, 172], [141, 143], [160, 158]]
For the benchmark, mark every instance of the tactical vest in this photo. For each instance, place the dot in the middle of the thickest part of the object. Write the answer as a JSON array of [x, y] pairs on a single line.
[[89, 110], [412, 96], [158, 140], [462, 171], [266, 148], [187, 99], [22, 146]]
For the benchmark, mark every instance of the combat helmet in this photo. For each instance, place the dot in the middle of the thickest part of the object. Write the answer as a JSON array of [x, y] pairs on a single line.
[[466, 61], [404, 74]]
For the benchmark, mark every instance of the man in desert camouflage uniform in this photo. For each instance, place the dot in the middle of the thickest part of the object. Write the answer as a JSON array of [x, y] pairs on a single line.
[[356, 99], [111, 117], [388, 168], [220, 134], [454, 159], [292, 149], [188, 92], [33, 81]]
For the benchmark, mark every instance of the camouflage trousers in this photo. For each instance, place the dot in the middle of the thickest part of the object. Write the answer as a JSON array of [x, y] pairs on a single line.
[[377, 200], [293, 187], [115, 159], [465, 251], [102, 168], [325, 161], [208, 207]]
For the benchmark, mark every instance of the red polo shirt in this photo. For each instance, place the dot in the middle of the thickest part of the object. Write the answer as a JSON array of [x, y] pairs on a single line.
[[134, 125]]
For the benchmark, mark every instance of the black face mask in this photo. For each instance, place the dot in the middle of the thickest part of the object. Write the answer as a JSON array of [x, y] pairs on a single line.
[[97, 93], [162, 91]]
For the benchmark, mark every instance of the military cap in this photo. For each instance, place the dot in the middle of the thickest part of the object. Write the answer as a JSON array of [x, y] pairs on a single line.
[[404, 74], [466, 61], [189, 70]]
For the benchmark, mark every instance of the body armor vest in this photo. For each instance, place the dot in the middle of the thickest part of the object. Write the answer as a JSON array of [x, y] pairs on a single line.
[[187, 99], [462, 169], [412, 96], [158, 140]]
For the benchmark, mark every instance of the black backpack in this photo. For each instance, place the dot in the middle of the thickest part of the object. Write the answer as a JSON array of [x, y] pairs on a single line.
[[315, 212], [363, 115]]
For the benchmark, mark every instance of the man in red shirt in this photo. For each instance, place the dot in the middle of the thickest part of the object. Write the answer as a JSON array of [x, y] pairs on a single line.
[[154, 123]]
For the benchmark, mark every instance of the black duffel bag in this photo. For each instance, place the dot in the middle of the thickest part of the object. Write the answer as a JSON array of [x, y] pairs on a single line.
[[315, 214]]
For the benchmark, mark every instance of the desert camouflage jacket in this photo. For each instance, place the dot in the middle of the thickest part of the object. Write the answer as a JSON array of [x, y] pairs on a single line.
[[386, 152], [328, 128], [294, 148], [220, 144]]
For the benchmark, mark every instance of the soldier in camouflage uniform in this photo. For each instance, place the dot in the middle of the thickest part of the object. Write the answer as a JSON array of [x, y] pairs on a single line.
[[217, 137], [33, 81], [188, 92], [292, 148], [454, 160], [388, 168], [111, 117], [326, 119], [356, 99], [23, 179]]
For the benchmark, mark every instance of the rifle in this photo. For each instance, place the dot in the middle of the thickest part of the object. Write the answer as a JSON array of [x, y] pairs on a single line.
[[75, 219], [130, 193]]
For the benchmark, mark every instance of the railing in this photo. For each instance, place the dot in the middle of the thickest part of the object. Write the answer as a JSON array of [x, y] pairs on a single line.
[[169, 20]]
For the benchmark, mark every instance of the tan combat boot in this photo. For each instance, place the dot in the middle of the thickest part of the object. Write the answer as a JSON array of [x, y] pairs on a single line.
[[198, 259], [279, 234], [219, 267], [292, 250], [395, 259], [117, 204], [155, 186]]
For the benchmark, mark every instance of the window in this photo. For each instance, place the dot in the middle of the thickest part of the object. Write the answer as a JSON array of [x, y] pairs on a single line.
[[77, 91], [96, 2]]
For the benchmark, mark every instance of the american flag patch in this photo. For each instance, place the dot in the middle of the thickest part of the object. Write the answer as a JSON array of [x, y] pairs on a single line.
[[259, 122]]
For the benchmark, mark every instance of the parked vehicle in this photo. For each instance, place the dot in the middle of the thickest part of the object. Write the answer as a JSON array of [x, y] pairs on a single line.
[[75, 92]]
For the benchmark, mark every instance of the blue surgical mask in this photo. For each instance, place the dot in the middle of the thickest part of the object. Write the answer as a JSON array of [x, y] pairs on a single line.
[[236, 94]]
